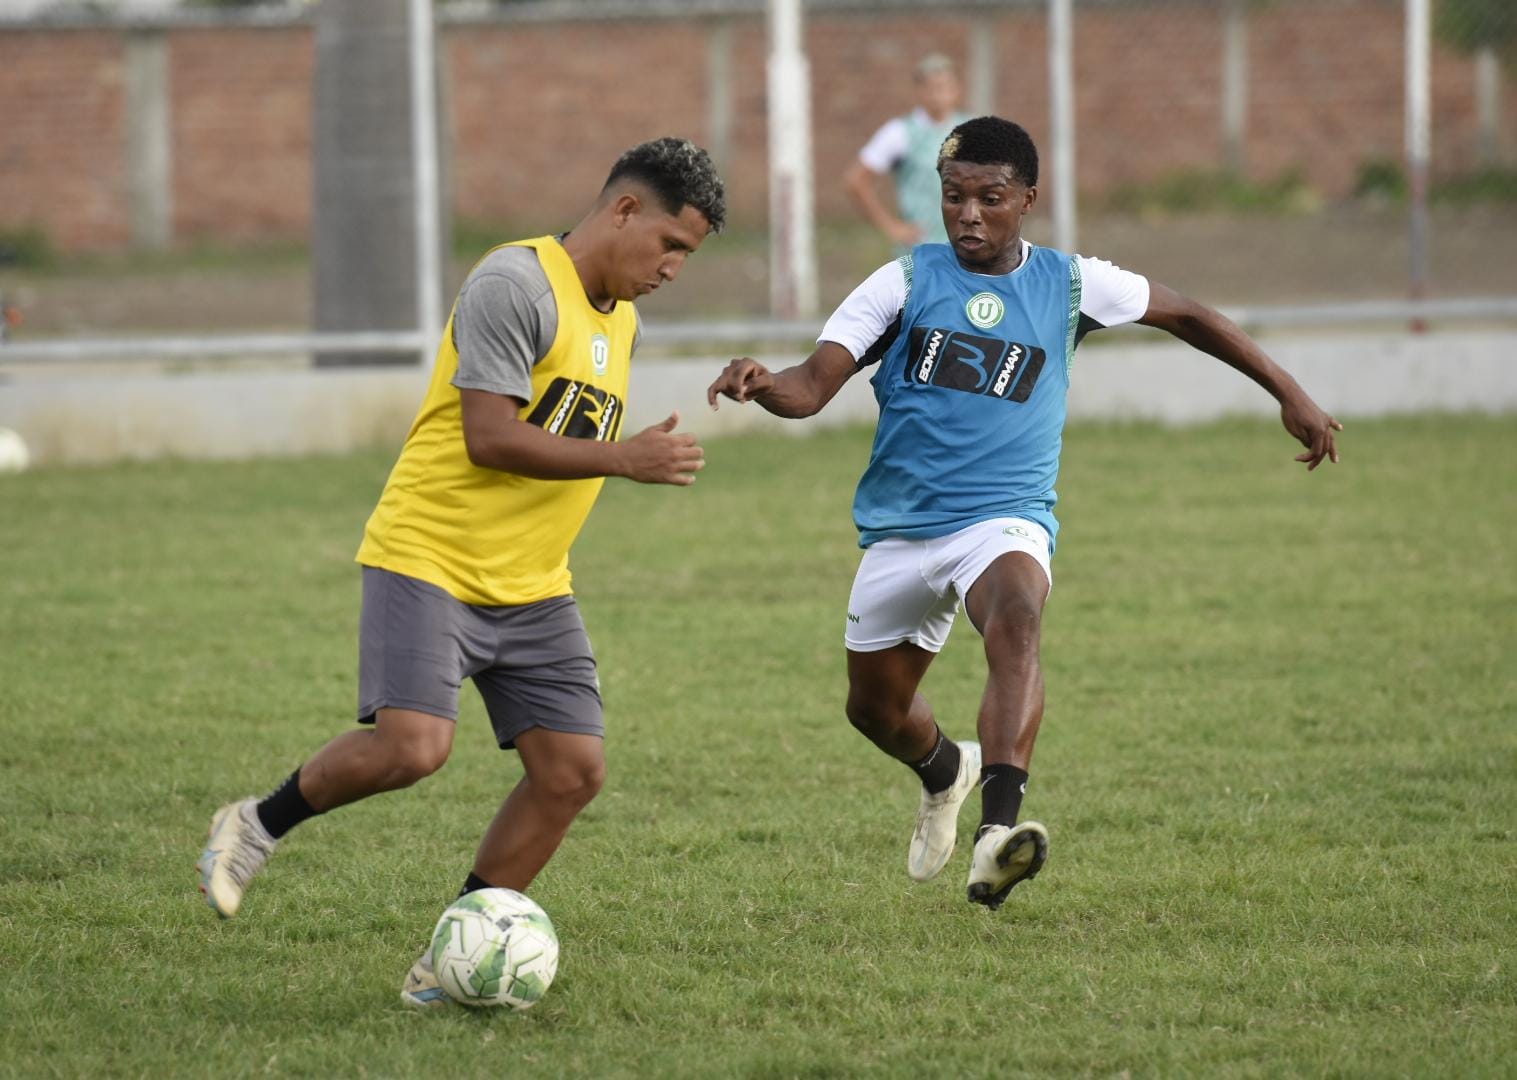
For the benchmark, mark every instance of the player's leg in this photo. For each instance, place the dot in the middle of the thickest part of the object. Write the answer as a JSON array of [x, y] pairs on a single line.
[[884, 704], [411, 662], [543, 697], [1005, 603], [896, 624], [564, 771], [1006, 607], [402, 747]]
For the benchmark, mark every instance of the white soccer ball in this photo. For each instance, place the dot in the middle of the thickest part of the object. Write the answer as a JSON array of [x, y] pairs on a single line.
[[495, 947], [14, 456]]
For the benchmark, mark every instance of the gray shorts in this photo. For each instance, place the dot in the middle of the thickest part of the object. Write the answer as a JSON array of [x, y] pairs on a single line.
[[531, 663]]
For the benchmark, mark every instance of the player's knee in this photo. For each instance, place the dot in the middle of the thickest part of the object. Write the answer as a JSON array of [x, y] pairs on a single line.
[[572, 784], [410, 746], [871, 713], [416, 759], [860, 715], [1016, 623], [589, 779]]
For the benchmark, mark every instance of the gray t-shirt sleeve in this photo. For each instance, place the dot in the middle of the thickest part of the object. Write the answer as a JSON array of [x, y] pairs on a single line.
[[504, 323]]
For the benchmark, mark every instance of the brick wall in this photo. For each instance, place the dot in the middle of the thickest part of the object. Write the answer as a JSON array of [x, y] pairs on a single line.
[[63, 137], [241, 131], [1300, 68], [537, 111]]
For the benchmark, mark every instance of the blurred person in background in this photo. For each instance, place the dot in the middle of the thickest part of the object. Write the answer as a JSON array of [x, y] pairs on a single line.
[[465, 559], [906, 149], [973, 343]]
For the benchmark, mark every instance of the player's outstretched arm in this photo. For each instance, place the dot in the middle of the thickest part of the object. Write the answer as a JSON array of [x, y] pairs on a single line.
[[1214, 333], [497, 438], [796, 392]]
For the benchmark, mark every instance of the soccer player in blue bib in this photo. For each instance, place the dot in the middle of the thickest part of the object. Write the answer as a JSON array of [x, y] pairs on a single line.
[[972, 344]]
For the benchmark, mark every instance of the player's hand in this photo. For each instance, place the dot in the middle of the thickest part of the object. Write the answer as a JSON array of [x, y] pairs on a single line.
[[1314, 429], [742, 380], [904, 233], [656, 455]]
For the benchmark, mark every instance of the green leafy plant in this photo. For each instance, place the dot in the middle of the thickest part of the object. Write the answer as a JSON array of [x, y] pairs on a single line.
[[1472, 25], [28, 246], [1216, 190], [1380, 178]]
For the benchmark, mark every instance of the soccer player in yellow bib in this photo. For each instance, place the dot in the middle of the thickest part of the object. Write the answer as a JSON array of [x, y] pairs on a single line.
[[465, 559]]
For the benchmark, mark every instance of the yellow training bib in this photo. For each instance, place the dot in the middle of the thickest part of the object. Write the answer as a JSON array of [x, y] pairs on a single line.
[[490, 537]]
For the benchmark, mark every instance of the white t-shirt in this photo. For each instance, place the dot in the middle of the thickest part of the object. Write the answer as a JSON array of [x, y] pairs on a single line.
[[887, 146], [1109, 296], [504, 323]]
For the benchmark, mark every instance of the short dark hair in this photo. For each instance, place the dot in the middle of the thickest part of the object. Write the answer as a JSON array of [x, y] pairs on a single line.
[[679, 173], [990, 140]]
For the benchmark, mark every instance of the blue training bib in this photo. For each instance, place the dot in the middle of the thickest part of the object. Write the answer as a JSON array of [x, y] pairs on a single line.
[[972, 397]]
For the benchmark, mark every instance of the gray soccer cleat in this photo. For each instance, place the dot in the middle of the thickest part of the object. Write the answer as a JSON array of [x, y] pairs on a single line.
[[421, 990], [1003, 856], [237, 849], [936, 832]]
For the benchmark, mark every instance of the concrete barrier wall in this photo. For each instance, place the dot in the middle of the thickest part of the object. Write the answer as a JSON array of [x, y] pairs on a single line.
[[108, 416]]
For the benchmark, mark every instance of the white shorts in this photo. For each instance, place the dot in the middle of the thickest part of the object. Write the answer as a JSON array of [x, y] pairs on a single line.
[[910, 590]]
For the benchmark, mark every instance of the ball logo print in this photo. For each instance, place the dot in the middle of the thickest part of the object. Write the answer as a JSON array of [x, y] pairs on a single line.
[[600, 353], [985, 309]]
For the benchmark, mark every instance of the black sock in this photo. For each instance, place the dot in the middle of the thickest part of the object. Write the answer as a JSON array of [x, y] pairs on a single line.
[[473, 883], [285, 808], [939, 769], [1001, 791]]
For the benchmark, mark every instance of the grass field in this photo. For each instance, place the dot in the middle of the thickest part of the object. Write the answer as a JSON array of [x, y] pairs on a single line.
[[1279, 768]]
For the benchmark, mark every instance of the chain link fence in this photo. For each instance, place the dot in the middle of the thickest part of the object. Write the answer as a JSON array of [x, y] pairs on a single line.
[[1255, 150], [1250, 152]]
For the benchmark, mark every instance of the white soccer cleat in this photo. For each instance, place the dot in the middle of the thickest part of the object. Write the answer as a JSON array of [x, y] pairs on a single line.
[[1003, 856], [421, 990], [937, 827], [237, 849]]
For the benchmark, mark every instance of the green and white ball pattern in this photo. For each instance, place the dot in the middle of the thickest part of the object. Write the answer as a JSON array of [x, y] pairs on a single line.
[[495, 947]]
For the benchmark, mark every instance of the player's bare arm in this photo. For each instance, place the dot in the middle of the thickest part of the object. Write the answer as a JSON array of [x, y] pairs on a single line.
[[860, 183], [794, 393], [1213, 333], [497, 438]]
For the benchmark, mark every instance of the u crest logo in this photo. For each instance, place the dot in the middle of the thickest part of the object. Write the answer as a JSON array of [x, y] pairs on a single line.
[[985, 309], [600, 353]]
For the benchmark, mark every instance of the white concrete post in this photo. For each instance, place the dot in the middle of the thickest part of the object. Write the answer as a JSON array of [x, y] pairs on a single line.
[[719, 92], [1061, 98], [149, 155], [1488, 105], [981, 88], [424, 167], [792, 238], [1419, 32], [1234, 85]]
